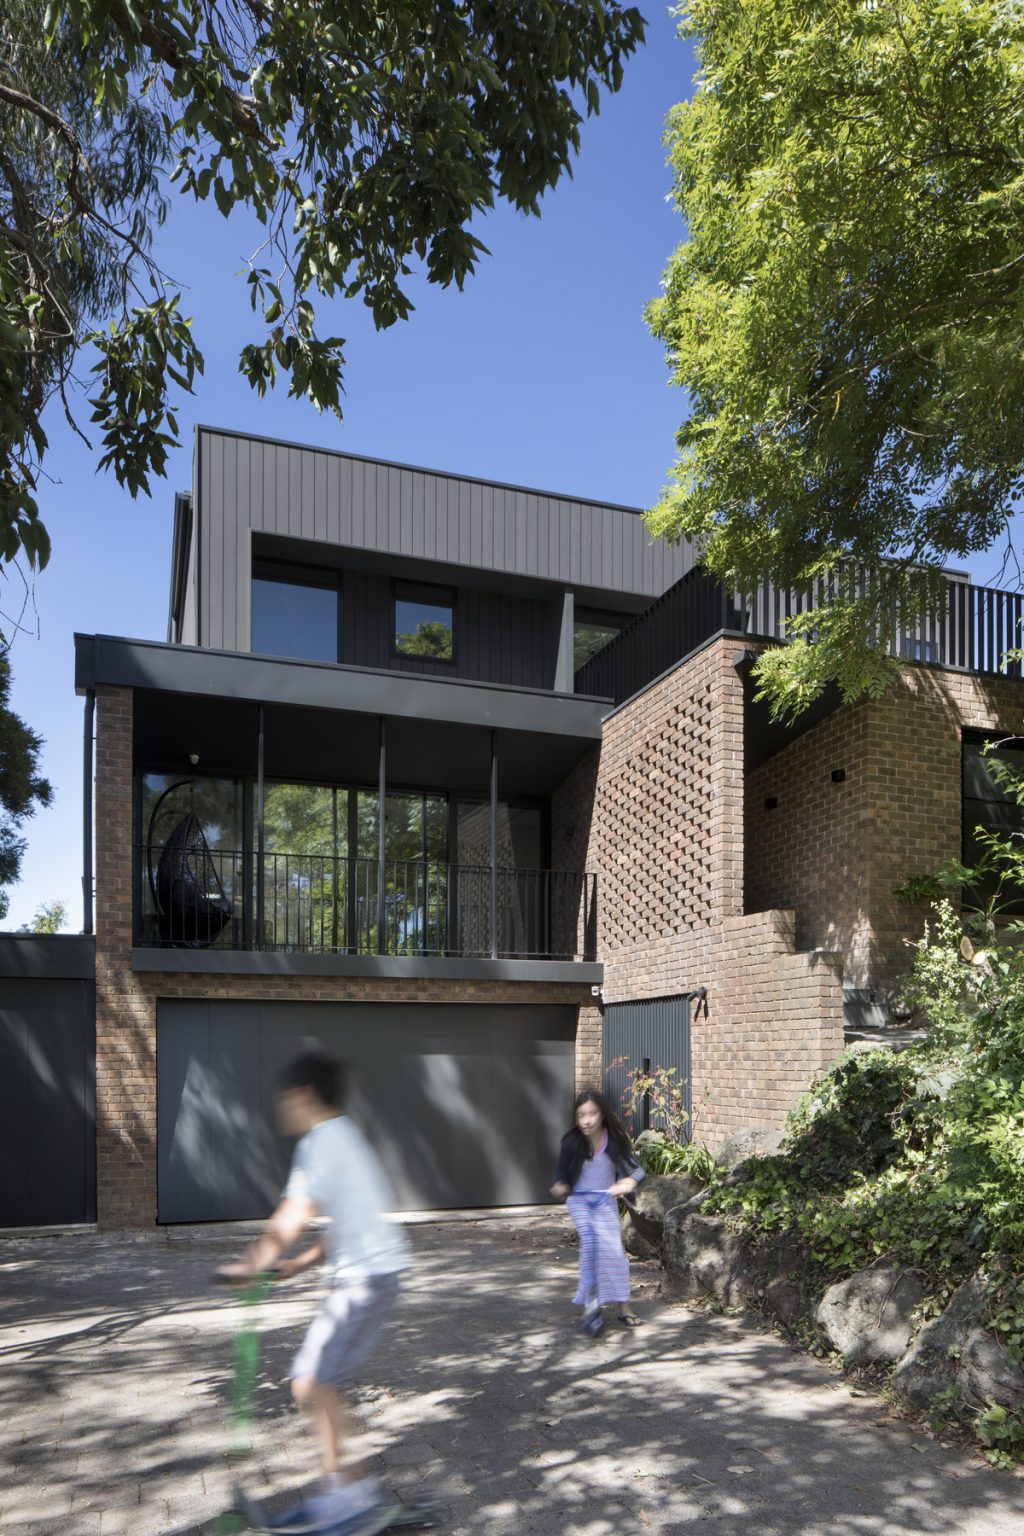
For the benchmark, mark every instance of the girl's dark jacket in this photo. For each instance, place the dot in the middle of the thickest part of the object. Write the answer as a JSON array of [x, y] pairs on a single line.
[[573, 1154]]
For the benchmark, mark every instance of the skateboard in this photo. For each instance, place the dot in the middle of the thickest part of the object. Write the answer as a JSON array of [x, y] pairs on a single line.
[[372, 1522]]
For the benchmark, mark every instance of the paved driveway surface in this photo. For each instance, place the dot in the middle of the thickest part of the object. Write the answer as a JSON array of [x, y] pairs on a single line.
[[115, 1370]]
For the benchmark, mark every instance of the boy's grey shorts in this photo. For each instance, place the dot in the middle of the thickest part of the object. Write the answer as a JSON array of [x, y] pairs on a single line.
[[342, 1335]]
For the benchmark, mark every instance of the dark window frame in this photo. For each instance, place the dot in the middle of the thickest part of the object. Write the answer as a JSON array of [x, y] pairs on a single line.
[[977, 739], [400, 587], [605, 618], [294, 573]]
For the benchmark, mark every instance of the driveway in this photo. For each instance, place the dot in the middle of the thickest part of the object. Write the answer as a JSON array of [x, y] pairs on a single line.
[[116, 1373]]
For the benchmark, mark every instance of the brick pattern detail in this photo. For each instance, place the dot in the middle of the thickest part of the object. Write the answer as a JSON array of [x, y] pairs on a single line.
[[126, 1000], [836, 852], [657, 811], [658, 818], [589, 1041]]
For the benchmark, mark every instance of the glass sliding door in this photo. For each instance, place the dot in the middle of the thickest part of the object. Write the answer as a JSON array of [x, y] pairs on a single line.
[[521, 884], [413, 902], [305, 885], [524, 894]]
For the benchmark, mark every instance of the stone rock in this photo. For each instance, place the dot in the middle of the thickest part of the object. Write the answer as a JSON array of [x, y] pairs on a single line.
[[643, 1220], [755, 1141], [955, 1351], [704, 1259], [988, 1374], [932, 1362], [633, 1242], [787, 1287], [656, 1195], [870, 1316]]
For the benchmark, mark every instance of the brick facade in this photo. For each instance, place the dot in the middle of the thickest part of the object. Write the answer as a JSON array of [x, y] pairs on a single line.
[[657, 810], [835, 851], [701, 884], [126, 1000]]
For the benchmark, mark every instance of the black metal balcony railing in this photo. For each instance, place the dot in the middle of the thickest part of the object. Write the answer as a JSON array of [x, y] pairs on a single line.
[[320, 904], [973, 633]]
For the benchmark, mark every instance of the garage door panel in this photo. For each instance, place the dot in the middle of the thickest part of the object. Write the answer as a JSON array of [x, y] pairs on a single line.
[[464, 1104], [185, 1098], [47, 1126], [15, 1118]]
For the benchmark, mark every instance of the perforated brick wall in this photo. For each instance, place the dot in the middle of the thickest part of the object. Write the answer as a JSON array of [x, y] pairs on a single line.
[[657, 811]]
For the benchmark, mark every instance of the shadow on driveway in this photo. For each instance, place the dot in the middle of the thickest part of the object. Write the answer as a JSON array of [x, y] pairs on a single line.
[[115, 1374]]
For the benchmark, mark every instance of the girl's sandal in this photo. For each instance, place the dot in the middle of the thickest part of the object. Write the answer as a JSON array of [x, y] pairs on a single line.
[[630, 1320]]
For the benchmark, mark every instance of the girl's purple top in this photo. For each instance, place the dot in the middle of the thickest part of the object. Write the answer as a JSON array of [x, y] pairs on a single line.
[[597, 1173]]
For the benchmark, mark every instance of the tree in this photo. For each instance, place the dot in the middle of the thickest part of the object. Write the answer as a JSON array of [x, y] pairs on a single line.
[[49, 918], [430, 638], [21, 787], [846, 312], [363, 136]]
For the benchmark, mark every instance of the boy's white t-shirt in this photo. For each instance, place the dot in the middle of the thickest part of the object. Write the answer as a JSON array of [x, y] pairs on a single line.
[[334, 1167]]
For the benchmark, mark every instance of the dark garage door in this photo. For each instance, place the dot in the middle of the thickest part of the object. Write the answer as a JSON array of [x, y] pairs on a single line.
[[465, 1104], [47, 1127]]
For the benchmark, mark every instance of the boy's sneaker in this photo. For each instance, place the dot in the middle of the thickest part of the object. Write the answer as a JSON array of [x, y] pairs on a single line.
[[593, 1321], [318, 1515]]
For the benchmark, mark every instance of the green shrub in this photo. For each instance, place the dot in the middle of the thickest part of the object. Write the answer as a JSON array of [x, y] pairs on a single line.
[[661, 1155], [918, 1156]]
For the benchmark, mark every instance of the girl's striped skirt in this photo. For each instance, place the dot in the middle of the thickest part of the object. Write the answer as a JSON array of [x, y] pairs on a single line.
[[604, 1268]]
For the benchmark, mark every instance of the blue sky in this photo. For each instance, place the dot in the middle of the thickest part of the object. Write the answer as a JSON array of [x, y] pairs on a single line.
[[541, 372]]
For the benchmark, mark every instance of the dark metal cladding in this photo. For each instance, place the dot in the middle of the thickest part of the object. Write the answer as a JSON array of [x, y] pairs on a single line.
[[652, 1033], [47, 1081], [249, 488]]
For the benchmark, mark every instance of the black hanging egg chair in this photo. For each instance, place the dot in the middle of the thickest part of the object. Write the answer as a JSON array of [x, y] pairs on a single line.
[[192, 910]]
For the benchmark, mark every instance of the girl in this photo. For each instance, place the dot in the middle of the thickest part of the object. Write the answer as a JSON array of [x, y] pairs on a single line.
[[595, 1166]]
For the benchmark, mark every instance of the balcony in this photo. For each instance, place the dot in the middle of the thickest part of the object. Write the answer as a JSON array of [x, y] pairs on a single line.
[[213, 899], [977, 626]]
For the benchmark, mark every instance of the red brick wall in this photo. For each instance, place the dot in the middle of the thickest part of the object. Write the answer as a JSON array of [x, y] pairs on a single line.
[[657, 811], [836, 852], [126, 1000]]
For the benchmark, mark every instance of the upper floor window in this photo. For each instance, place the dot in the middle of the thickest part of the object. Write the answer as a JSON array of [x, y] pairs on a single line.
[[424, 620], [594, 628], [296, 611]]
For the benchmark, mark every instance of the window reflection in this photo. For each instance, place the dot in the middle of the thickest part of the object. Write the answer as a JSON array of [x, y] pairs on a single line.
[[424, 621], [295, 612]]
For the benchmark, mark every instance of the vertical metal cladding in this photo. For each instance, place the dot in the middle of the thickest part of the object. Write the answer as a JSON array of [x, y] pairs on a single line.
[[652, 1033], [247, 485]]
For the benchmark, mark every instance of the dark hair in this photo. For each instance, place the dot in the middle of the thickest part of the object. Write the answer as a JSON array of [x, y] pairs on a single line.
[[315, 1069], [613, 1125]]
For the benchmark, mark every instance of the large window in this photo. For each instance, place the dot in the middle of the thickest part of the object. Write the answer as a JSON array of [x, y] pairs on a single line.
[[296, 611], [592, 631], [323, 882], [987, 805], [424, 621]]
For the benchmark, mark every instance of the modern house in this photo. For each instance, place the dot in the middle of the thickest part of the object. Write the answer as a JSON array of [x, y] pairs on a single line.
[[468, 782]]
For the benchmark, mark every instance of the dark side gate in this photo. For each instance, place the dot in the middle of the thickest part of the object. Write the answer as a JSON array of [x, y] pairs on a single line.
[[47, 1093], [654, 1032]]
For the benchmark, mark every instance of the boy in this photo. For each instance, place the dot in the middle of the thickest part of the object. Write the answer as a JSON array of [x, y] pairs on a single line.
[[334, 1174]]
